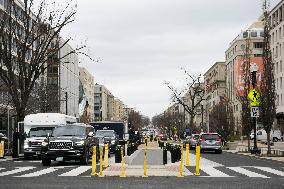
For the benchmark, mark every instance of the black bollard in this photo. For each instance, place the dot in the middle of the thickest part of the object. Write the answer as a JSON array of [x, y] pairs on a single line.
[[118, 154], [165, 157]]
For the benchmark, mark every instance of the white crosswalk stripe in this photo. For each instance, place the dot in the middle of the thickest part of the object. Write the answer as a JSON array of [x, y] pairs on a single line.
[[15, 171], [41, 172], [213, 172], [270, 170], [206, 171], [246, 172], [77, 171]]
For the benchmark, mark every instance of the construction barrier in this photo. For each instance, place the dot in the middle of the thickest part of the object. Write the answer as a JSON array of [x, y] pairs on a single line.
[[2, 151], [106, 156], [122, 163], [187, 158], [197, 157], [101, 162], [181, 161], [94, 161]]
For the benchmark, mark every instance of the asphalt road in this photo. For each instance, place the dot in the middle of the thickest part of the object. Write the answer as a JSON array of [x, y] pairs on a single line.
[[230, 171]]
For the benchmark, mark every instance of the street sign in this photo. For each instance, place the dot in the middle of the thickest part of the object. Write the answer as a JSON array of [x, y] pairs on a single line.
[[254, 96], [254, 112]]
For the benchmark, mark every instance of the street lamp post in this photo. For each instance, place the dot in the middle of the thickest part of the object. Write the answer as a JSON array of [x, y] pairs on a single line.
[[66, 102], [253, 70]]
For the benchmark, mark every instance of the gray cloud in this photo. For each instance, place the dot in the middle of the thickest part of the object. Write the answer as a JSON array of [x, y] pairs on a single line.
[[145, 42]]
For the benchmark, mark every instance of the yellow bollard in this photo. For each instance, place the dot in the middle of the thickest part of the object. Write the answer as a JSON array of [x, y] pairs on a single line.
[[197, 160], [187, 160], [94, 162], [101, 162], [106, 156], [2, 150], [181, 161], [145, 162], [122, 163]]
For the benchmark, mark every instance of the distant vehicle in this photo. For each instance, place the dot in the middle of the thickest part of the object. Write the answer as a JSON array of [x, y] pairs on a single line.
[[210, 142], [38, 126], [275, 135], [193, 140], [110, 137], [72, 142], [120, 128]]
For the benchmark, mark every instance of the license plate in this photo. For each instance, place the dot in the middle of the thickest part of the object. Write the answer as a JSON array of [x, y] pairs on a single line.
[[59, 159]]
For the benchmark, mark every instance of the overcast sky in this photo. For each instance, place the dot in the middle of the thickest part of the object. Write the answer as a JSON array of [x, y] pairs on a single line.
[[145, 42]]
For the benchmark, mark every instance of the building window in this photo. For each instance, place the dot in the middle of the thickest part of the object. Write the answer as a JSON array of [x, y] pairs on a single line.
[[245, 34], [281, 83], [277, 67], [280, 66], [280, 32], [253, 34], [281, 100], [262, 34], [258, 45]]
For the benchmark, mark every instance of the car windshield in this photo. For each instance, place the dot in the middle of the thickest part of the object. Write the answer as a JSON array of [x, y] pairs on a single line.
[[210, 137], [40, 131], [105, 133], [69, 131]]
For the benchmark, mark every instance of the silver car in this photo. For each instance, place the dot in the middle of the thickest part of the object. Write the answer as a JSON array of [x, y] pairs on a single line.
[[210, 142], [193, 140]]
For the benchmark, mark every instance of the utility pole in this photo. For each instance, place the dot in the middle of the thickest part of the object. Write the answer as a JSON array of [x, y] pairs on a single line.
[[66, 102]]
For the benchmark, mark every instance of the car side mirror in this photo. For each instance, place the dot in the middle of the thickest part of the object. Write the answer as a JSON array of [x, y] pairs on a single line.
[[91, 134]]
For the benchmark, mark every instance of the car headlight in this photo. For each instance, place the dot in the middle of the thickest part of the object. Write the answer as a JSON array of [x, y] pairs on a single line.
[[26, 144], [80, 143], [112, 142], [44, 143]]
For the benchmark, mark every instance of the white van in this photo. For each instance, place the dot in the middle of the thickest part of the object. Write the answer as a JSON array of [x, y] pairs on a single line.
[[275, 135], [38, 126]]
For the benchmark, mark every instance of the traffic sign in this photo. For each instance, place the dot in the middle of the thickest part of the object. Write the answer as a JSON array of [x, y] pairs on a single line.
[[254, 112], [254, 96]]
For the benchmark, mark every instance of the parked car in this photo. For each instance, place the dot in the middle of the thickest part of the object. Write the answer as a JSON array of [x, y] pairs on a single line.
[[72, 142], [191, 140], [275, 135], [210, 142], [110, 137]]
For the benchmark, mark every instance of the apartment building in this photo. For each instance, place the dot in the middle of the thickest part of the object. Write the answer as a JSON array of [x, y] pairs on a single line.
[[118, 110], [276, 18], [103, 103], [248, 43], [63, 83], [215, 88], [87, 81]]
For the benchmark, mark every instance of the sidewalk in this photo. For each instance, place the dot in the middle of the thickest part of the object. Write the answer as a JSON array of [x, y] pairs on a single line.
[[242, 149]]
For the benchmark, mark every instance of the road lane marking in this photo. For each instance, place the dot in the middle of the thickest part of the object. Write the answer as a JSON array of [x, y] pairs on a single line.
[[212, 172], [270, 170], [1, 169], [17, 170], [77, 171], [247, 172], [41, 172]]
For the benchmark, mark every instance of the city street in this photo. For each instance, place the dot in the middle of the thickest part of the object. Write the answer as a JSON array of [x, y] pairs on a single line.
[[225, 170]]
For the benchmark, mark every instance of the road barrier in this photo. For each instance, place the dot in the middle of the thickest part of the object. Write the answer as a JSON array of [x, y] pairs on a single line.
[[145, 161], [181, 161], [101, 162], [2, 151], [165, 155], [122, 163], [106, 156], [94, 162], [197, 157], [187, 158]]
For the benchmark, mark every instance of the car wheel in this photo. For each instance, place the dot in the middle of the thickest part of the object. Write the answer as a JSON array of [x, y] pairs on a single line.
[[85, 158], [218, 151], [275, 139], [46, 162]]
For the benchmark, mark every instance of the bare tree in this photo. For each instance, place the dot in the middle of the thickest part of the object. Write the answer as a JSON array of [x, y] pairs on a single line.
[[242, 95], [268, 94], [29, 44], [221, 119], [191, 96]]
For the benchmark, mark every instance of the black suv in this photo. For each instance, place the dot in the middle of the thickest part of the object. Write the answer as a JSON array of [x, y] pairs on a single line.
[[70, 142]]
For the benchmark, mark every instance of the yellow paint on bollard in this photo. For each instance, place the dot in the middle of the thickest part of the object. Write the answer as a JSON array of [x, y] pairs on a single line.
[[145, 162], [122, 163], [94, 162], [197, 160], [181, 161], [187, 160], [106, 156], [101, 162]]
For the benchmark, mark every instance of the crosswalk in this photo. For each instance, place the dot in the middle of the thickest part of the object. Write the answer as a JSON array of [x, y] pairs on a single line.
[[85, 171]]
